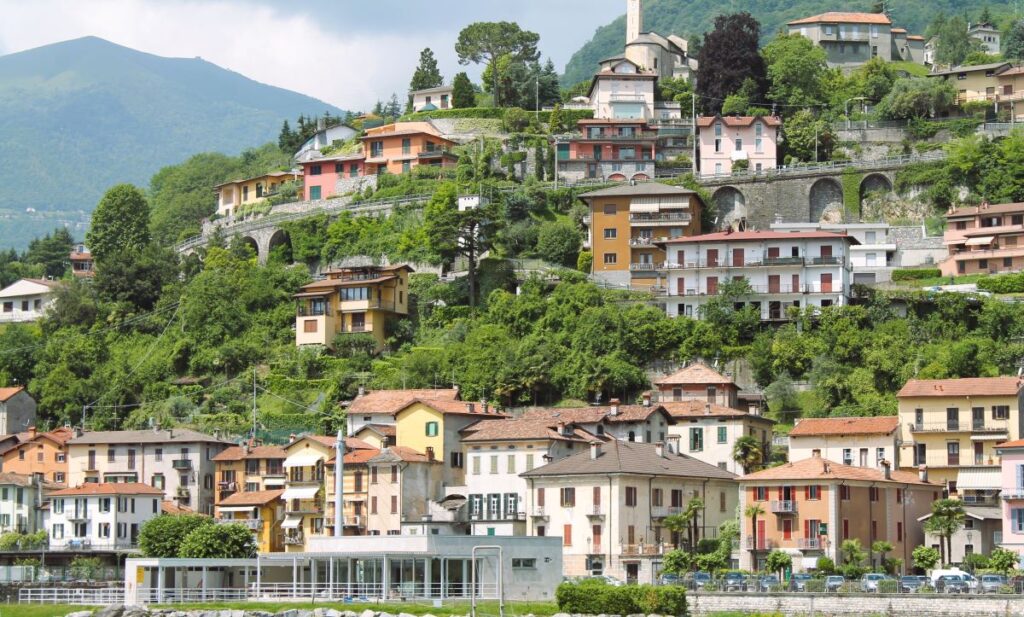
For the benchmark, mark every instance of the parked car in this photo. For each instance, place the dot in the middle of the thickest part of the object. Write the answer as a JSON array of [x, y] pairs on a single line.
[[869, 582], [698, 579], [734, 581], [951, 583], [993, 583], [798, 582], [768, 582], [834, 582], [670, 579], [973, 584], [912, 583]]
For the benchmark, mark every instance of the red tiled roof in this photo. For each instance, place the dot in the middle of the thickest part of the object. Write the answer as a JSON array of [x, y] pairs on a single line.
[[109, 488], [456, 408], [986, 208], [238, 453], [170, 507], [696, 373], [355, 457], [402, 453], [387, 430], [699, 409], [969, 386], [351, 443], [705, 121], [7, 393], [899, 30], [523, 428], [820, 469], [915, 37], [1019, 443], [878, 425], [758, 235], [592, 415], [837, 17], [251, 498], [391, 401]]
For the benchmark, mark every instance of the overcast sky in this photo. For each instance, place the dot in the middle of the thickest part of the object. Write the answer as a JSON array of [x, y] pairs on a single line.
[[345, 52]]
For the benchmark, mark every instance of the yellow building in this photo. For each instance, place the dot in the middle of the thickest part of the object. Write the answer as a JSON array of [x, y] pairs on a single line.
[[248, 468], [352, 300], [432, 427], [355, 486], [379, 436], [952, 426], [974, 83], [233, 195], [260, 511]]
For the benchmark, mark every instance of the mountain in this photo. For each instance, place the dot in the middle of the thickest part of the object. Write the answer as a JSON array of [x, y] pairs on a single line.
[[689, 17], [79, 116]]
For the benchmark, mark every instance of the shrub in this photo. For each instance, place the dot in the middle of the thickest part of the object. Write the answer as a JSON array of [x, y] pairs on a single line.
[[596, 597], [888, 586], [816, 585], [9, 541], [825, 565], [1003, 284], [585, 261], [741, 165], [916, 274]]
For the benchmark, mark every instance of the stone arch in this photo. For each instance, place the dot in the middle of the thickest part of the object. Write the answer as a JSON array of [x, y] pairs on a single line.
[[875, 183], [278, 239], [617, 178], [252, 243], [731, 205], [641, 177], [826, 201]]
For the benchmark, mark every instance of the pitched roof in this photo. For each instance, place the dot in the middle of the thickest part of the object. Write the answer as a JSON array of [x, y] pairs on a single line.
[[170, 507], [812, 427], [968, 386], [17, 479], [176, 435], [396, 454], [7, 393], [685, 410], [845, 18], [458, 408], [705, 121], [238, 453], [640, 189], [625, 457], [251, 498], [593, 415], [109, 488], [523, 428], [351, 443], [1017, 443], [986, 208], [696, 373], [970, 68], [817, 468], [391, 401], [760, 235], [384, 430], [915, 37]]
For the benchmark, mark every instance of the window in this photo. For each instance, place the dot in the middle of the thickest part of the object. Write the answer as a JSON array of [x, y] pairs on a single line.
[[609, 209], [1000, 412], [105, 504], [494, 464], [899, 531], [158, 454], [394, 474], [656, 498], [394, 504], [373, 505], [873, 493], [611, 259], [58, 506], [315, 193], [723, 434], [131, 458], [844, 492], [953, 453], [315, 170], [982, 264], [58, 476], [104, 530], [920, 454], [58, 531], [739, 144], [761, 493], [529, 462], [847, 456], [631, 496], [476, 465], [879, 455], [696, 439], [813, 492], [511, 464], [457, 460], [568, 496], [111, 455], [431, 429], [21, 454], [722, 498], [610, 233], [899, 495], [406, 145], [524, 563]]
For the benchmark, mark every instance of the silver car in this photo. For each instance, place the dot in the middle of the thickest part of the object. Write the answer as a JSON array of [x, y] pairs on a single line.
[[869, 582], [993, 583]]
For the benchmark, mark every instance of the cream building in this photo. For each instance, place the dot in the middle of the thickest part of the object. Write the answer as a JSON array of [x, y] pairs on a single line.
[[101, 516], [708, 432], [20, 498], [855, 442], [404, 484], [607, 504]]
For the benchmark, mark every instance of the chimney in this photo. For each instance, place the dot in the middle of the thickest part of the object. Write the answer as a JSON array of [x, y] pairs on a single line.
[[595, 450], [647, 399], [32, 432], [922, 473], [456, 388], [816, 453], [659, 449], [291, 438], [615, 406], [245, 447], [707, 409], [561, 428], [471, 407], [156, 427], [362, 391], [886, 469], [78, 431]]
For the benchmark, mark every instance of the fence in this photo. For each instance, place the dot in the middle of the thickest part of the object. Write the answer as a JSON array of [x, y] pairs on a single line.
[[321, 591], [832, 166], [82, 596]]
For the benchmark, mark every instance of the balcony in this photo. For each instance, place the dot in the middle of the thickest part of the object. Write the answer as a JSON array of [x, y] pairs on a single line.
[[808, 544], [435, 153], [646, 550], [182, 493], [311, 311], [253, 524], [227, 487], [825, 261], [642, 267], [957, 427], [596, 512], [658, 218], [787, 506], [294, 540], [77, 515], [782, 261], [539, 513], [630, 136], [763, 544], [182, 464], [626, 98], [1012, 494]]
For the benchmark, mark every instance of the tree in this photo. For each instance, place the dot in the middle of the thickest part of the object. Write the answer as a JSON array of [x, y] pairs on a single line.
[[138, 278], [853, 557], [462, 91], [872, 80], [1003, 560], [85, 568], [954, 43], [454, 234], [753, 511], [882, 547], [946, 519], [426, 74], [925, 557], [1013, 42], [796, 69], [120, 223], [807, 136], [559, 242], [747, 452], [285, 138], [486, 42], [392, 109], [728, 56], [162, 536], [778, 562], [917, 97], [231, 541]]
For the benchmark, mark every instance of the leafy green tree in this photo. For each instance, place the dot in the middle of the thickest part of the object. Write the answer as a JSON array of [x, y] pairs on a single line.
[[853, 556], [916, 97], [796, 69], [954, 44], [946, 519], [486, 42], [230, 541], [807, 135], [747, 453], [778, 562], [1003, 560], [925, 557], [137, 278], [51, 251], [163, 535], [753, 512], [1013, 42], [453, 234], [882, 547], [872, 80], [85, 567], [120, 223], [729, 56], [676, 89], [462, 91], [825, 565], [559, 242], [426, 74]]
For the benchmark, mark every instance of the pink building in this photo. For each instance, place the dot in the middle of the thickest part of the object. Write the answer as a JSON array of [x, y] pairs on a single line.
[[1011, 454], [725, 141], [324, 176]]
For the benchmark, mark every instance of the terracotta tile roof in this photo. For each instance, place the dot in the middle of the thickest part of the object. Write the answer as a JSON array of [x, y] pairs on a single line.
[[523, 428], [401, 453], [696, 373], [390, 401], [385, 430], [7, 393], [817, 468], [355, 457], [251, 498], [109, 488], [238, 453], [351, 443], [836, 17], [177, 435], [642, 189], [684, 410], [626, 457], [969, 386], [986, 209], [759, 235], [973, 68], [593, 415], [1018, 443], [706, 121], [915, 37], [458, 408], [811, 427], [899, 30], [170, 507], [17, 479]]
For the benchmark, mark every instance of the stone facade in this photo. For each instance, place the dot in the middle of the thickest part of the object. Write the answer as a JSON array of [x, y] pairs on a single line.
[[793, 605]]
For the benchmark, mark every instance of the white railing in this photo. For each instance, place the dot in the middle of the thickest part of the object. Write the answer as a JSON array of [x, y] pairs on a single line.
[[885, 163], [287, 591], [67, 595]]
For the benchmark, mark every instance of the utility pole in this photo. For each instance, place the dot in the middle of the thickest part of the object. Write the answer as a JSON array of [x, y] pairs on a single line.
[[536, 98], [693, 132], [254, 403]]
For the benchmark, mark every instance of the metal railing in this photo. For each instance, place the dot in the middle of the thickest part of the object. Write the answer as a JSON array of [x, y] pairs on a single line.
[[303, 311], [659, 217], [80, 596], [785, 506], [84, 544], [837, 166], [811, 544], [253, 524], [269, 591], [647, 549], [753, 262], [603, 136], [957, 427]]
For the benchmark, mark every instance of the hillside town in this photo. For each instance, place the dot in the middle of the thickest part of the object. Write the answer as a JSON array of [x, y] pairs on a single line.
[[626, 337]]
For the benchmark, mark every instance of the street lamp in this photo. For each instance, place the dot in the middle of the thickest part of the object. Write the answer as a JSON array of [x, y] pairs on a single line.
[[847, 105]]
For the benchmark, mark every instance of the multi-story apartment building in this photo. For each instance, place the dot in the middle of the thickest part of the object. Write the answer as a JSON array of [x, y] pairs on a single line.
[[179, 462], [397, 148], [355, 488], [851, 39], [1011, 506], [21, 496], [433, 428], [855, 442], [378, 407], [647, 423], [974, 82], [404, 486], [336, 174], [984, 239], [708, 432], [615, 150], [249, 468], [953, 425], [352, 300], [981, 532], [726, 140], [626, 221], [239, 193], [809, 507], [989, 36], [262, 511], [608, 502], [497, 452], [698, 382], [623, 90], [82, 264], [783, 269], [40, 454], [101, 516]]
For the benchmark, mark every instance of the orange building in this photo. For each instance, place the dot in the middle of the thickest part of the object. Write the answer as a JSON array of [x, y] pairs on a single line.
[[397, 148], [40, 453]]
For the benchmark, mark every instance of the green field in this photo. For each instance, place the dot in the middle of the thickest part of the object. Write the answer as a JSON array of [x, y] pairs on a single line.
[[449, 607], [40, 610]]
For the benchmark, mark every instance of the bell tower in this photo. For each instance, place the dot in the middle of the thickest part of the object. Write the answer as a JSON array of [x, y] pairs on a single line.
[[634, 19]]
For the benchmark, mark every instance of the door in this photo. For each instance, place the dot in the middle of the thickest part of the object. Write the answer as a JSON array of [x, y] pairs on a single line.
[[712, 258], [978, 418], [952, 418], [826, 283], [737, 257], [979, 453], [680, 286], [787, 529], [795, 284], [597, 153], [773, 283], [826, 253], [712, 285], [953, 453]]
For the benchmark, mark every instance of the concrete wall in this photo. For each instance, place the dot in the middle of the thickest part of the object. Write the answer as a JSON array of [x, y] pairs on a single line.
[[825, 605]]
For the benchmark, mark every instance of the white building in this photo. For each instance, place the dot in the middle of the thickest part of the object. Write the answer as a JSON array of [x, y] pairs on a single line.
[[784, 269], [708, 432], [101, 516], [432, 99], [857, 442], [988, 35], [647, 423], [26, 299], [327, 137], [623, 90], [17, 410], [20, 498], [178, 462]]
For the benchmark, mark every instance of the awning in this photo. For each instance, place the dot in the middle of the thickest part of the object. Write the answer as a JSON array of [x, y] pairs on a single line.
[[304, 458], [292, 522], [300, 492], [235, 508], [982, 241], [979, 478], [273, 481], [990, 437]]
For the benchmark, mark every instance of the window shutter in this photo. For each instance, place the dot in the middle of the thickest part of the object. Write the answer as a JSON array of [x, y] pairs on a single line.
[[780, 493], [807, 528], [807, 492]]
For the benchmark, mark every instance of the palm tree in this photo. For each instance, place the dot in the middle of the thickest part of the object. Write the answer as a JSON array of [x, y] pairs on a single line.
[[882, 547], [752, 512], [853, 552], [946, 519], [690, 514], [747, 453]]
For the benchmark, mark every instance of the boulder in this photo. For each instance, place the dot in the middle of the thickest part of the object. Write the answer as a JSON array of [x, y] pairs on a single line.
[[368, 613], [114, 610]]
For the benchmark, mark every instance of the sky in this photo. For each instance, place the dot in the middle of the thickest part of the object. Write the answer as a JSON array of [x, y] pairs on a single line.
[[347, 53]]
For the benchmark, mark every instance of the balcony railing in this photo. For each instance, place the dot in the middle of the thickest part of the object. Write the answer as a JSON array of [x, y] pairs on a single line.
[[538, 512], [955, 427], [253, 524], [306, 311], [786, 506], [596, 511], [753, 262], [293, 540], [762, 544], [642, 267], [1012, 494], [182, 463], [86, 544], [634, 136], [646, 550], [641, 218], [808, 544]]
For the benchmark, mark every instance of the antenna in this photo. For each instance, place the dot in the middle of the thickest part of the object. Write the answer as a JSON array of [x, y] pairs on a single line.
[[254, 402]]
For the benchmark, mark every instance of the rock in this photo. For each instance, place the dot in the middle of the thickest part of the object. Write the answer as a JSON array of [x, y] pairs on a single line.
[[368, 613], [406, 615], [349, 614], [384, 614], [80, 614], [332, 612], [288, 613], [561, 615], [114, 610]]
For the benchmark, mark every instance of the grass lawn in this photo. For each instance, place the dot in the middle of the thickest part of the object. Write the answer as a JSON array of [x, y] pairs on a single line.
[[41, 610], [940, 280], [449, 607], [915, 70]]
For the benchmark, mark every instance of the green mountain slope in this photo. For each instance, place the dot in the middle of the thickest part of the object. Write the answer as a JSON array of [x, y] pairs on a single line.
[[81, 115], [688, 17]]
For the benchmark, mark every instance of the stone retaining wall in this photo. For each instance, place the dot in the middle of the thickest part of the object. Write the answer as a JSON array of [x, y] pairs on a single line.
[[829, 605]]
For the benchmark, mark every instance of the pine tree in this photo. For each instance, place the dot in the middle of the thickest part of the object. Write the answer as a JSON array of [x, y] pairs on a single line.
[[285, 137], [392, 109], [378, 109], [427, 74], [555, 125], [462, 92]]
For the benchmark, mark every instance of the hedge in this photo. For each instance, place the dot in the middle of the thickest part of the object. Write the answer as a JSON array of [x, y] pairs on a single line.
[[569, 116], [595, 597], [916, 274], [1003, 284]]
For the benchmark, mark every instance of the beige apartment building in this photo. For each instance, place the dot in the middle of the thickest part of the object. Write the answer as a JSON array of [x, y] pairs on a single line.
[[607, 504], [855, 442], [849, 39], [984, 239], [974, 83], [177, 461], [952, 426], [708, 432], [403, 485]]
